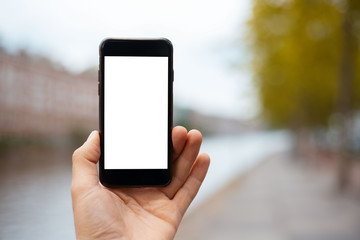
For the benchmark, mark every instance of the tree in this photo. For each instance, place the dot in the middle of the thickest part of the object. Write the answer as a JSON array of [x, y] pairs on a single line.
[[304, 58]]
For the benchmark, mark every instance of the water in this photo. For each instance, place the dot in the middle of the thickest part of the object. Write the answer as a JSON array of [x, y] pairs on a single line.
[[35, 200], [35, 193]]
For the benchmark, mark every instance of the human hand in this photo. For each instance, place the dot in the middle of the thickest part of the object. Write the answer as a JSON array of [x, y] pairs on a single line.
[[135, 213]]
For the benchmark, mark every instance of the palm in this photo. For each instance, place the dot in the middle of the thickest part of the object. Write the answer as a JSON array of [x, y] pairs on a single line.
[[142, 213], [150, 212]]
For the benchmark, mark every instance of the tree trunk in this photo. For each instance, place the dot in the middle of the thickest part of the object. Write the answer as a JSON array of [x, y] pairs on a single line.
[[344, 101]]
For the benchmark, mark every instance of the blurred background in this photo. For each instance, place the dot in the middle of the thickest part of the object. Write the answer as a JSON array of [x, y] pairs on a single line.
[[274, 86]]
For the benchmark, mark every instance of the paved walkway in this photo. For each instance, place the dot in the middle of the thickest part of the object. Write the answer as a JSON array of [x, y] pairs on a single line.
[[280, 199]]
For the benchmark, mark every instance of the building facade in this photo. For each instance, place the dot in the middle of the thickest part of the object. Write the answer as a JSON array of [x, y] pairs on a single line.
[[38, 99]]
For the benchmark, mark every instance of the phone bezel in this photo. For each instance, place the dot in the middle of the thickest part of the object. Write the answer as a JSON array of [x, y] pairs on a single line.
[[135, 47]]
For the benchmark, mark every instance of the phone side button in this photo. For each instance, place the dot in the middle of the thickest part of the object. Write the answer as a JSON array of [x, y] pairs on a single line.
[[173, 75], [98, 89]]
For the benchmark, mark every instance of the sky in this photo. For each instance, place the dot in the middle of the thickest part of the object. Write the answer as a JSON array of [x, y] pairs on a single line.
[[208, 38]]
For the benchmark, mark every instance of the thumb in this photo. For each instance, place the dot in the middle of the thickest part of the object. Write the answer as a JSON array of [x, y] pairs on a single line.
[[84, 159]]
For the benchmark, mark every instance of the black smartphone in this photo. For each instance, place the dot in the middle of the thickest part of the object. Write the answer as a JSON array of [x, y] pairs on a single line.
[[135, 103]]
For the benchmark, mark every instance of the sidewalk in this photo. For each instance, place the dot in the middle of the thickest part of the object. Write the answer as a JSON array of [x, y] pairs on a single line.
[[280, 199]]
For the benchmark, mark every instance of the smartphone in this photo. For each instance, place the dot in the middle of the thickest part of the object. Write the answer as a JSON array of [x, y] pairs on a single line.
[[135, 105]]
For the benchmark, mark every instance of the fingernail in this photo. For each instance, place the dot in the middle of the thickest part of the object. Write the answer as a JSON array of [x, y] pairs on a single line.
[[92, 135]]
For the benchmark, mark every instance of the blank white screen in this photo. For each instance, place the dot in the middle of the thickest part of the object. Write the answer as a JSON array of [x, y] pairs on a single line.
[[135, 112]]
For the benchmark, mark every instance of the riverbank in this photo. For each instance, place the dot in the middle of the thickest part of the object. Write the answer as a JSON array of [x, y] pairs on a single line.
[[279, 199]]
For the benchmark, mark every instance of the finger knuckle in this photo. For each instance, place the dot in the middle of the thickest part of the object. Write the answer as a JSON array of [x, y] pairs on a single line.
[[77, 188], [74, 189], [76, 154]]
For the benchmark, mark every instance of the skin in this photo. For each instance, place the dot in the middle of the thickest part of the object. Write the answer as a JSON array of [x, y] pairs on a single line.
[[135, 213]]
